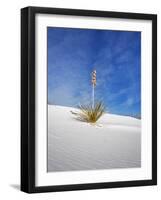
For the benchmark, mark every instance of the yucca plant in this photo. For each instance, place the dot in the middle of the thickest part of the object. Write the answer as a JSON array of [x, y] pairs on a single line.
[[90, 113]]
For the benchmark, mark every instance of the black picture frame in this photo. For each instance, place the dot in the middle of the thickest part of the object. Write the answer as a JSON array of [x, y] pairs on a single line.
[[28, 98]]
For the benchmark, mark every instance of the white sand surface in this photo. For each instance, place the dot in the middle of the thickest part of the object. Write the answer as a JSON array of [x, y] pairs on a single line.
[[115, 142]]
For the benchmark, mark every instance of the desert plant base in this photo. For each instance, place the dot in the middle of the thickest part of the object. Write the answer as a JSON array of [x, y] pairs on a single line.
[[89, 113], [96, 125]]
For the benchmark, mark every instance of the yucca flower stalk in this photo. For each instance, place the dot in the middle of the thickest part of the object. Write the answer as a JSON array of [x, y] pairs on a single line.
[[93, 85]]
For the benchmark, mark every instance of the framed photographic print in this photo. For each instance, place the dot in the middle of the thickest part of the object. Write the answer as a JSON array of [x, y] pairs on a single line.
[[88, 99]]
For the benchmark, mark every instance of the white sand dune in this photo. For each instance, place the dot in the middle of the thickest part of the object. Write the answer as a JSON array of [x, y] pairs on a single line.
[[76, 145]]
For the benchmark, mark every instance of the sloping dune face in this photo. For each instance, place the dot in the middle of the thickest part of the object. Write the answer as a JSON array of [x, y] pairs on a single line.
[[114, 142]]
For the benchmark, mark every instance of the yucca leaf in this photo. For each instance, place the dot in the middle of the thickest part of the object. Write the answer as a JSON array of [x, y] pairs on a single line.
[[90, 114]]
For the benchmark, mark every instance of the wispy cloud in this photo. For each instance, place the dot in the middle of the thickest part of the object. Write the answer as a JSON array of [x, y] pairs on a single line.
[[73, 53]]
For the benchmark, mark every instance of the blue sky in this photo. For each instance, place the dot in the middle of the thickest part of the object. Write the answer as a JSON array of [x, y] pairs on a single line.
[[116, 56]]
